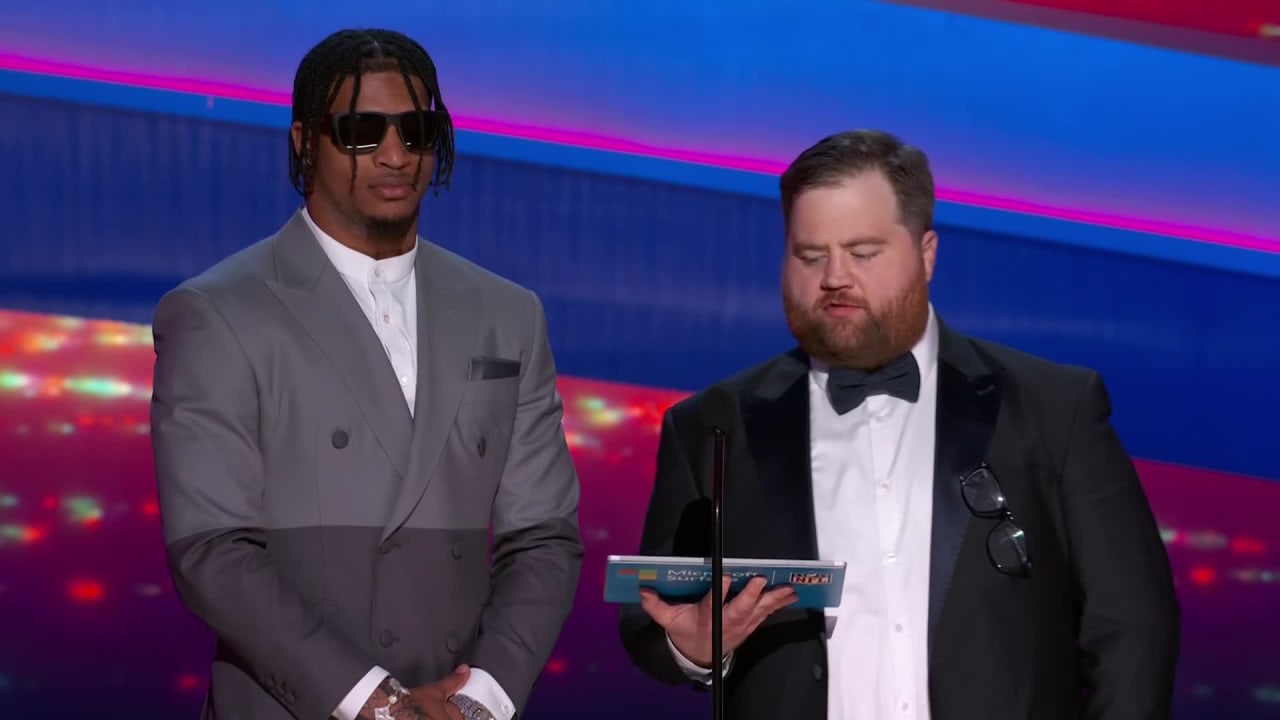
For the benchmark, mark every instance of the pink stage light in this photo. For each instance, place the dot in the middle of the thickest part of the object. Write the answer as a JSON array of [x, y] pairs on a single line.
[[207, 88]]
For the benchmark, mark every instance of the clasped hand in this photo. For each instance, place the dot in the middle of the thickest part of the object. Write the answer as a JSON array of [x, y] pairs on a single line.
[[428, 702]]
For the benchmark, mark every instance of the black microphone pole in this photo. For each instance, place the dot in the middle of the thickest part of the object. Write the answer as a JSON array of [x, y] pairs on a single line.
[[720, 416], [717, 574]]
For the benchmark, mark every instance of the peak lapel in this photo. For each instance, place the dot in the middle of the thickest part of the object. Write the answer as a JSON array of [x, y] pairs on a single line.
[[777, 426], [968, 406], [446, 339], [313, 291]]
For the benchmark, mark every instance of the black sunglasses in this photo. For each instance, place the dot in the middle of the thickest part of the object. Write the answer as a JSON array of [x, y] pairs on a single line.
[[1006, 543], [362, 132]]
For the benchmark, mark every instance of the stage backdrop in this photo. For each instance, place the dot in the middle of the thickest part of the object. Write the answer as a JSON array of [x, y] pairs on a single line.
[[1104, 184]]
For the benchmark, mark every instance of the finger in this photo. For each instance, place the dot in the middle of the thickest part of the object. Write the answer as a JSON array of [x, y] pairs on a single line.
[[661, 612], [744, 605], [454, 681], [745, 618], [778, 598], [770, 606], [750, 594], [443, 711], [725, 583]]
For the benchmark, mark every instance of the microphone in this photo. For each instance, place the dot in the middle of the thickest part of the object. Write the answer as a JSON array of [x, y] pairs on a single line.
[[719, 417]]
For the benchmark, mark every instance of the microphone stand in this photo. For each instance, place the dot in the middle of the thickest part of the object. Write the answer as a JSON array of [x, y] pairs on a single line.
[[717, 575]]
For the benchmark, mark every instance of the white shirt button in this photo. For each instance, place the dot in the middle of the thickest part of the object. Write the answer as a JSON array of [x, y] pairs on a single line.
[[882, 488], [386, 318], [890, 557], [377, 272], [904, 707], [898, 627]]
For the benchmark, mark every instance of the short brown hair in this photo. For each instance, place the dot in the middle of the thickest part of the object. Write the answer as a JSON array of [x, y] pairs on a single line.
[[853, 152]]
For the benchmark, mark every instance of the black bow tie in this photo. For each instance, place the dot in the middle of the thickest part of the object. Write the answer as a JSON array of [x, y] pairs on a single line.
[[848, 387]]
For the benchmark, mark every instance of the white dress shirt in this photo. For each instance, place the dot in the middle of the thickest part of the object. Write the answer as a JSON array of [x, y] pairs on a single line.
[[872, 474], [387, 292]]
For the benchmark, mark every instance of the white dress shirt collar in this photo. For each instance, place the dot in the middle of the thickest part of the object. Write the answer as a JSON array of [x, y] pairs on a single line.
[[357, 266]]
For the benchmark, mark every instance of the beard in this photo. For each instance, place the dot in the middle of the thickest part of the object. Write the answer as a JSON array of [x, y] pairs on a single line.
[[867, 341], [390, 230]]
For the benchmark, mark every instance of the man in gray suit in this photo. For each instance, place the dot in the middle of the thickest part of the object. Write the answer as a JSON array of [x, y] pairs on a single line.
[[343, 411]]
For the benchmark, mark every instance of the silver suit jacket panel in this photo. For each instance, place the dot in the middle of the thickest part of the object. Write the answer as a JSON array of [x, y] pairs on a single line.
[[315, 525]]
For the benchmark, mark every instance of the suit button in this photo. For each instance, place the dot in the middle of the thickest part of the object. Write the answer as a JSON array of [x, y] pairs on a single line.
[[386, 638], [340, 439], [457, 551], [818, 672], [451, 643], [480, 446]]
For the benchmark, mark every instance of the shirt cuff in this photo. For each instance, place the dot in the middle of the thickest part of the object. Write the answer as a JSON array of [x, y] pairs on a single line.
[[696, 672], [482, 688], [353, 703]]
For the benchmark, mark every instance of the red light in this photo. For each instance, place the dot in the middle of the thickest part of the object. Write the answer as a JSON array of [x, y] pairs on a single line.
[[151, 508], [557, 666], [188, 682], [1203, 575], [86, 591], [1247, 546], [49, 502]]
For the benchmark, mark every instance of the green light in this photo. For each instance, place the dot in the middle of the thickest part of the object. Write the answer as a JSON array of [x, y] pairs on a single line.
[[83, 509], [100, 387], [11, 380]]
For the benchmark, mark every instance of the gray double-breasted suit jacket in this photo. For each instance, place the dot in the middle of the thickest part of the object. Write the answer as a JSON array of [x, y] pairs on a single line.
[[315, 525]]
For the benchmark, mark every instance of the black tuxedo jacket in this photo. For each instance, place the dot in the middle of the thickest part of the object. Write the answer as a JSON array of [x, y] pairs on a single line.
[[1091, 633]]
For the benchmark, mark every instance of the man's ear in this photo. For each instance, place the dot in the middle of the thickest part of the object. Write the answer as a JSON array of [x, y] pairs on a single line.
[[929, 253], [295, 133]]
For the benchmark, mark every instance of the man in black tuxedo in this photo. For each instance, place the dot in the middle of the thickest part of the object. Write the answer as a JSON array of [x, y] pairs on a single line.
[[1003, 561]]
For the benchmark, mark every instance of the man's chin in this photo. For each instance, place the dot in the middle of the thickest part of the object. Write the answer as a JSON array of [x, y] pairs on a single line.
[[394, 216], [844, 333], [396, 220]]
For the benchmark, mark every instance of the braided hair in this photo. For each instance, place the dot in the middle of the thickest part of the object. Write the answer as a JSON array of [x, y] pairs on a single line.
[[350, 53]]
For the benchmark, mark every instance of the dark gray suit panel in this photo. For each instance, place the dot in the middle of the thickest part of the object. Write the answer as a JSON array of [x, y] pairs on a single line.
[[285, 450], [537, 552], [205, 427]]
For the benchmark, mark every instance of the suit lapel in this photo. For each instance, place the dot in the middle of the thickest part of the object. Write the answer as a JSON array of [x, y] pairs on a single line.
[[446, 340], [968, 405], [777, 426], [313, 291]]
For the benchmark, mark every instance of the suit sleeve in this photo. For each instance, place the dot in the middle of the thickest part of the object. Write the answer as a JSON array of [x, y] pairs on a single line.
[[209, 471], [1129, 630], [674, 490], [537, 550]]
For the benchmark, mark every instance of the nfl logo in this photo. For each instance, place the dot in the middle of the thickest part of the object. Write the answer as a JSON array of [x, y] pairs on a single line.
[[810, 578]]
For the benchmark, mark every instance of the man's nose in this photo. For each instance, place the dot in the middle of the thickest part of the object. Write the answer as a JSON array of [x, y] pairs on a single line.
[[837, 273], [391, 152]]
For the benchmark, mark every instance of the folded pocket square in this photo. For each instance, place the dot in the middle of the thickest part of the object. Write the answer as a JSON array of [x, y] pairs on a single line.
[[486, 368]]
